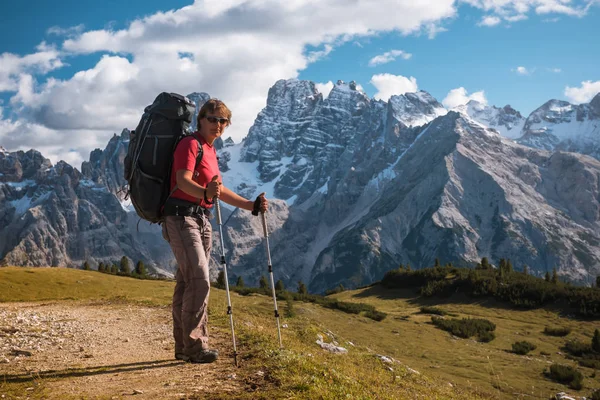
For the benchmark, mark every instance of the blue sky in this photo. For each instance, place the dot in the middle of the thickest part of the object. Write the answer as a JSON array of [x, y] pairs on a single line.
[[78, 71]]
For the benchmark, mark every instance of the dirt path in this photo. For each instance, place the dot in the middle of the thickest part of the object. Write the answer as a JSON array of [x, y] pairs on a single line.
[[108, 351]]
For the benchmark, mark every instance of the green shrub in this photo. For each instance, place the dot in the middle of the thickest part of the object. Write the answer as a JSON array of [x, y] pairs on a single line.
[[590, 363], [557, 331], [523, 347], [486, 336], [433, 310], [289, 309], [375, 315], [578, 348], [595, 395], [467, 327], [566, 374]]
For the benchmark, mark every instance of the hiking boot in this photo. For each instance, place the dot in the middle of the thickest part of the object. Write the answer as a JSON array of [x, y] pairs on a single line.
[[204, 356], [182, 356]]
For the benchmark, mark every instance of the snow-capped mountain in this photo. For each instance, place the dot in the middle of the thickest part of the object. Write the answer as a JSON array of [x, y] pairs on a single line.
[[357, 186], [559, 125], [506, 120]]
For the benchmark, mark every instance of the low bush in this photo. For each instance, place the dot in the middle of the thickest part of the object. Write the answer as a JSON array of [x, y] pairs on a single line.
[[578, 348], [590, 363], [375, 315], [567, 375], [523, 347], [433, 310], [557, 331], [595, 395], [467, 327]]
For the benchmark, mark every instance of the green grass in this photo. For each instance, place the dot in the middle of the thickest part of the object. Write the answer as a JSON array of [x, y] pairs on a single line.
[[304, 371], [43, 284]]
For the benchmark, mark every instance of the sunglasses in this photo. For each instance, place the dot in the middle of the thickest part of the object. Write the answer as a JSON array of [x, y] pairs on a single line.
[[214, 120]]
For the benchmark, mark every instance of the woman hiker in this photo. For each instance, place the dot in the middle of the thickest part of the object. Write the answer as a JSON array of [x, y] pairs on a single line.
[[187, 229]]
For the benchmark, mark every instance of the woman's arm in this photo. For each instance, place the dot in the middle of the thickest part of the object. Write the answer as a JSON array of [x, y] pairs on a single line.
[[235, 199], [187, 185]]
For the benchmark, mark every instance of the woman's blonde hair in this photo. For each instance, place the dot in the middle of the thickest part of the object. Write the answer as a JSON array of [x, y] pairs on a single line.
[[211, 106]]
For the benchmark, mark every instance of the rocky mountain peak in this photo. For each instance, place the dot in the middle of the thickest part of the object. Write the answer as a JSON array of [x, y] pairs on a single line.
[[506, 121], [105, 167], [415, 109], [595, 106]]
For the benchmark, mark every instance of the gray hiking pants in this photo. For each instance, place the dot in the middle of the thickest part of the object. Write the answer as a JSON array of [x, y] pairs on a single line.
[[190, 240]]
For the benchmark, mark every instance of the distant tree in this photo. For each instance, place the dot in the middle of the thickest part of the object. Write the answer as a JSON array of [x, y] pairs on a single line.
[[436, 262], [86, 266], [401, 267], [101, 267], [262, 283], [140, 268], [502, 265], [302, 288], [554, 276], [598, 281], [525, 269], [114, 269], [279, 286], [240, 282], [509, 266], [124, 266], [408, 268], [596, 341], [221, 279], [547, 276], [485, 264]]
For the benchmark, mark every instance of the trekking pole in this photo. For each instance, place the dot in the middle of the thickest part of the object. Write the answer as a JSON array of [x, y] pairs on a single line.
[[264, 223], [224, 264]]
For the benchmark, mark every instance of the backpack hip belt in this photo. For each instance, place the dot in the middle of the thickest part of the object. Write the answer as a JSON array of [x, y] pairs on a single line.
[[185, 209]]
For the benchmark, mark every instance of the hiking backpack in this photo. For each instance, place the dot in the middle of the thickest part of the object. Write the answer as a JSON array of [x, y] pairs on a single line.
[[149, 158]]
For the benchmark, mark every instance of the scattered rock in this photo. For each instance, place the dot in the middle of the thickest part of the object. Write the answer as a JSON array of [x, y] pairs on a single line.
[[260, 373], [136, 391], [19, 352], [330, 346], [284, 325], [413, 371], [232, 376], [563, 396], [385, 359]]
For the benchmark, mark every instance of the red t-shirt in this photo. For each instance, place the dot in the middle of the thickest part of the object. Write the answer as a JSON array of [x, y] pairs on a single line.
[[185, 158]]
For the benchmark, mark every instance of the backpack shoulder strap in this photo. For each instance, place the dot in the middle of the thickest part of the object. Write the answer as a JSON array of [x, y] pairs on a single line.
[[200, 151], [198, 159]]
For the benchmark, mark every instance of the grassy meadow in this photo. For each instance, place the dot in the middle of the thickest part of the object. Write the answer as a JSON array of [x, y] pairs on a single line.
[[431, 363]]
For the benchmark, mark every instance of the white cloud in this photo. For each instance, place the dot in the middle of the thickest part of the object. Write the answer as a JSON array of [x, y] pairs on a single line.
[[459, 96], [555, 70], [516, 18], [314, 56], [584, 93], [388, 56], [516, 10], [324, 88], [522, 70], [515, 7], [12, 66], [234, 50], [489, 20], [71, 31], [388, 85]]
